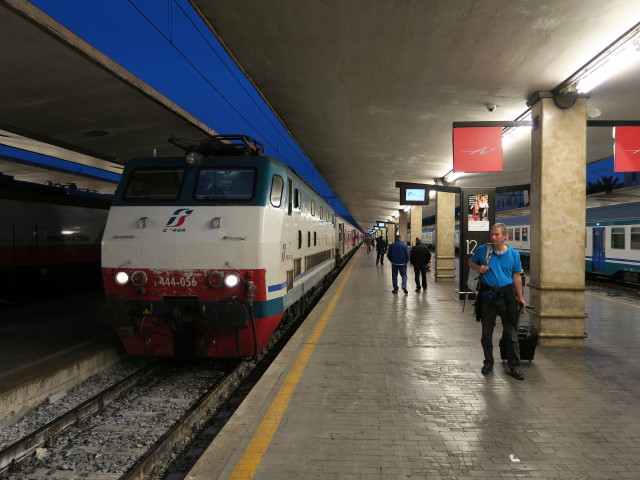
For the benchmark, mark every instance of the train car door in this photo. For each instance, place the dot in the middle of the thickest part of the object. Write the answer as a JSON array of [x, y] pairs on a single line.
[[598, 248]]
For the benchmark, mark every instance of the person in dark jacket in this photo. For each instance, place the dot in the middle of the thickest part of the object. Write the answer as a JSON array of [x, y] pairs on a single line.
[[381, 249], [420, 257], [398, 255]]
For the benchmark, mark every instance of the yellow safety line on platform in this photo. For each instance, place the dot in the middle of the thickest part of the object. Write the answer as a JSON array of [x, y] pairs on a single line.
[[252, 457], [613, 300]]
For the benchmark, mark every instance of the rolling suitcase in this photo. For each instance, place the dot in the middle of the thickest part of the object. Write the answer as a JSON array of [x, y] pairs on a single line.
[[527, 339]]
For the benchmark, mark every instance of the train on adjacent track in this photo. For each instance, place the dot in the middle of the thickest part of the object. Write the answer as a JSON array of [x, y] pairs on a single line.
[[612, 240], [50, 237], [204, 254]]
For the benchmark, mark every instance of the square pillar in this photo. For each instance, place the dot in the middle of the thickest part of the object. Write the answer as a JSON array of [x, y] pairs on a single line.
[[445, 268], [558, 215]]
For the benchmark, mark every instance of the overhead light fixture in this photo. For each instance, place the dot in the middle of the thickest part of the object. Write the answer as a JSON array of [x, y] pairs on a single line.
[[448, 178], [616, 57], [511, 134]]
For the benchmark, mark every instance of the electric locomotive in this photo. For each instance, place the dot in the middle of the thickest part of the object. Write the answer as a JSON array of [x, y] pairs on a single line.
[[204, 253]]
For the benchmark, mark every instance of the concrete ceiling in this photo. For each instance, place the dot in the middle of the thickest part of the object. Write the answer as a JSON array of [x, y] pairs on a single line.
[[369, 89], [57, 92]]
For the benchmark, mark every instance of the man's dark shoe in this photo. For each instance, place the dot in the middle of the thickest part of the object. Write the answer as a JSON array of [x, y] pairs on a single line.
[[424, 288], [404, 289], [486, 368], [418, 289], [395, 290], [516, 373]]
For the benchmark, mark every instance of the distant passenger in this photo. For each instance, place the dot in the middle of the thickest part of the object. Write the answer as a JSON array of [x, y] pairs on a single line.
[[500, 294], [398, 255], [420, 257], [381, 249]]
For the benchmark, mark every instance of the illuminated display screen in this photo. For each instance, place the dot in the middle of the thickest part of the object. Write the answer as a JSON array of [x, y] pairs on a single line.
[[415, 195]]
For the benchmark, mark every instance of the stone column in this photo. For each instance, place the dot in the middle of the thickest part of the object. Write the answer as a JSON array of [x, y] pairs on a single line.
[[558, 202], [416, 223], [445, 236], [402, 227]]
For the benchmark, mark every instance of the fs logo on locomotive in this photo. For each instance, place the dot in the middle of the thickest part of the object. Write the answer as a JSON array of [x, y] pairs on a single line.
[[177, 220]]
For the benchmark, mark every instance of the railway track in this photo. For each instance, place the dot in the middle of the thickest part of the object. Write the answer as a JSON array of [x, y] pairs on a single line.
[[128, 429]]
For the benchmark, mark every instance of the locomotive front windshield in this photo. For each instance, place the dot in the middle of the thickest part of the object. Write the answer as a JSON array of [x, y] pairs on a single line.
[[154, 184], [227, 184]]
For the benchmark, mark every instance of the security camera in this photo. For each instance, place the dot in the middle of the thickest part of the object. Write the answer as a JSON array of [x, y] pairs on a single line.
[[491, 108]]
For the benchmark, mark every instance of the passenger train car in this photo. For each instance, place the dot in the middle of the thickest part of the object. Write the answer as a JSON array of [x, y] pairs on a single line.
[[47, 232], [204, 254], [612, 240]]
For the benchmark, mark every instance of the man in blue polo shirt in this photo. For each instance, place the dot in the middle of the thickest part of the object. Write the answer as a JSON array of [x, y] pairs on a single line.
[[500, 294]]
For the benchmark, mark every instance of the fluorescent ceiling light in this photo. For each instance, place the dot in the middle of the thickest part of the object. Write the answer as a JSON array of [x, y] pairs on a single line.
[[605, 67]]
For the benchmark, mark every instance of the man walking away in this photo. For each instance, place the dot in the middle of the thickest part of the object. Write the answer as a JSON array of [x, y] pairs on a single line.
[[398, 255], [381, 249], [420, 257]]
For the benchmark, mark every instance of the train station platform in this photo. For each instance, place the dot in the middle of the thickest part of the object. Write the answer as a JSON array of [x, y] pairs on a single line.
[[382, 386], [49, 347]]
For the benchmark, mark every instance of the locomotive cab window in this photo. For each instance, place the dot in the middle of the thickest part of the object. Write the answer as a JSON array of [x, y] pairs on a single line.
[[231, 184], [277, 185], [154, 184]]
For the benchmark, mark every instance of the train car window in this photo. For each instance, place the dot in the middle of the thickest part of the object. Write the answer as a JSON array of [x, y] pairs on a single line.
[[635, 238], [299, 239], [289, 196], [517, 234], [154, 184], [321, 213], [297, 200], [313, 208], [276, 190], [510, 235], [525, 234], [315, 239], [231, 184], [308, 239], [617, 237]]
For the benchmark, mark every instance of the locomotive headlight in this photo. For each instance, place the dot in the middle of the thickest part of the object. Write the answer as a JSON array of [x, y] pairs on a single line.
[[231, 280], [138, 278], [122, 278]]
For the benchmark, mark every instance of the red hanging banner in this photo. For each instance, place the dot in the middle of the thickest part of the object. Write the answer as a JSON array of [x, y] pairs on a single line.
[[477, 149], [626, 152]]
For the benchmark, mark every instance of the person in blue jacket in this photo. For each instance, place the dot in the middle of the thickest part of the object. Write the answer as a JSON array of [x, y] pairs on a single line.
[[398, 256], [500, 294]]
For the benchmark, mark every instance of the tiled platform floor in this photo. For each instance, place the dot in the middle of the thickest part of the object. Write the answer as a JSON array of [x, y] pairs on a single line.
[[390, 388]]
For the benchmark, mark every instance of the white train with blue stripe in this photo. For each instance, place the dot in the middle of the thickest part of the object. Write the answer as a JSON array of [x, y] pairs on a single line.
[[612, 240], [204, 254]]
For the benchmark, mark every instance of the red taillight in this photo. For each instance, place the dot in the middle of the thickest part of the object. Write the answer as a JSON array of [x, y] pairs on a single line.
[[216, 279], [138, 278]]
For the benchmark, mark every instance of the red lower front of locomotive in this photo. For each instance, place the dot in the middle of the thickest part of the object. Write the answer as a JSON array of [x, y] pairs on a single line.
[[196, 313]]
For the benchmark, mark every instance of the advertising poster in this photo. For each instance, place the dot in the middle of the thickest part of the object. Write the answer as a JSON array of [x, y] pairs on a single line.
[[478, 216]]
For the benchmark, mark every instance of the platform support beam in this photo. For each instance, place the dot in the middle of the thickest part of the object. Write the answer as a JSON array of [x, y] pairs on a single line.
[[558, 202], [445, 268]]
